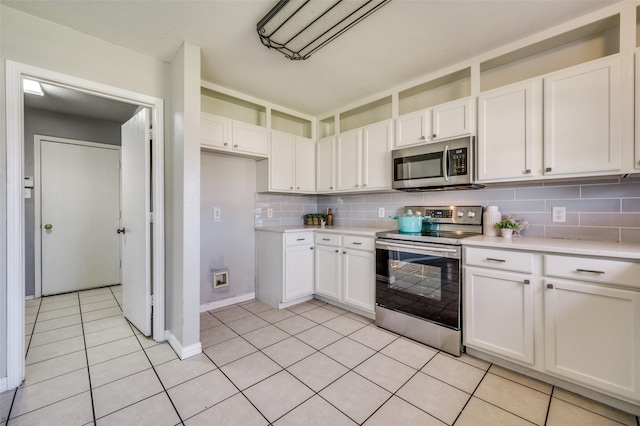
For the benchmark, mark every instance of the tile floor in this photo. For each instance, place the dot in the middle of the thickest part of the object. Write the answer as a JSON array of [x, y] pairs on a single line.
[[311, 364]]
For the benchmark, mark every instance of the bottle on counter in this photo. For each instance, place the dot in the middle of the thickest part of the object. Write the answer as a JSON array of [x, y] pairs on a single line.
[[329, 217], [490, 217]]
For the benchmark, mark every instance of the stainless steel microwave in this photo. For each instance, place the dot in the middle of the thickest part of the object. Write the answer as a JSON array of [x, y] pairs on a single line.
[[437, 166]]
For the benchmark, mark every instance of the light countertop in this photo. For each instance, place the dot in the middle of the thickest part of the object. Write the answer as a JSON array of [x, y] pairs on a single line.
[[562, 246], [353, 230]]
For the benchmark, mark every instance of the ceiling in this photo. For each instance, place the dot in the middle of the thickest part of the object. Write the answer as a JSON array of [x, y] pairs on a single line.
[[403, 41]]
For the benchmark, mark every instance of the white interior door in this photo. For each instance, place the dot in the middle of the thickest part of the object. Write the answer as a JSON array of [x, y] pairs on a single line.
[[80, 205], [135, 232]]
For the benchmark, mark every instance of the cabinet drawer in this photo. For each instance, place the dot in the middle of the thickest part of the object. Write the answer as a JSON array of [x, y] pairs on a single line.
[[359, 243], [327, 239], [505, 260], [604, 271], [298, 238]]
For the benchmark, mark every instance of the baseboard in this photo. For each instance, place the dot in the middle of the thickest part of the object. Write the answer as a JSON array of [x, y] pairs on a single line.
[[183, 352], [3, 384], [226, 302]]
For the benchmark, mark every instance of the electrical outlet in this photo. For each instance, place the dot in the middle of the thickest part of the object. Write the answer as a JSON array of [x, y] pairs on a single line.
[[217, 215], [559, 214], [380, 211], [269, 212]]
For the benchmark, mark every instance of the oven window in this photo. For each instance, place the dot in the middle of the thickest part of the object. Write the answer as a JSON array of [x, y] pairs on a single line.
[[418, 166], [424, 286]]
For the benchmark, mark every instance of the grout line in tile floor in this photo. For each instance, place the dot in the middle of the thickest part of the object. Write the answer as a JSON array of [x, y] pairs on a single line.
[[390, 393]]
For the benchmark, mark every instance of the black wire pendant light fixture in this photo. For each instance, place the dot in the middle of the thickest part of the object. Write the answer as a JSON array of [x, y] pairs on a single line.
[[298, 28]]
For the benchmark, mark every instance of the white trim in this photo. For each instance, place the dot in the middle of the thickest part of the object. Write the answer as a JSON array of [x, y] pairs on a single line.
[[14, 72], [183, 353], [3, 384], [37, 197], [226, 302]]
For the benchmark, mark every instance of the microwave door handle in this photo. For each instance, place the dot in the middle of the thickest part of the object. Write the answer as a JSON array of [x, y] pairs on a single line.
[[445, 163]]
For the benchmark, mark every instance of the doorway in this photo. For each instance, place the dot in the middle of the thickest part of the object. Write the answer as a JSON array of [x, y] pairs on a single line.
[[15, 73]]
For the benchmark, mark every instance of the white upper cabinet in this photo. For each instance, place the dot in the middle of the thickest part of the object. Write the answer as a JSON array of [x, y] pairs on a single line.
[[222, 133], [325, 172], [582, 119], [363, 158], [291, 165], [445, 121], [452, 119], [376, 157], [510, 132], [566, 123]]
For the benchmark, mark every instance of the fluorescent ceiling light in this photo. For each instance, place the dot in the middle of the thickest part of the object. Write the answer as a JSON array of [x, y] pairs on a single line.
[[33, 87], [298, 28]]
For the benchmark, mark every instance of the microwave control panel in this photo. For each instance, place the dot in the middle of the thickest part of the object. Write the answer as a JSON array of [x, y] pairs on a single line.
[[458, 161]]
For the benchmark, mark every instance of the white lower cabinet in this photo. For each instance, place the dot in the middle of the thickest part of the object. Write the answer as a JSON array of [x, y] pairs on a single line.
[[345, 269], [581, 312], [285, 266], [499, 317], [592, 335]]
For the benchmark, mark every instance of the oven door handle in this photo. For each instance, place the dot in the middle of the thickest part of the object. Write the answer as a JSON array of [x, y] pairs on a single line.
[[415, 249]]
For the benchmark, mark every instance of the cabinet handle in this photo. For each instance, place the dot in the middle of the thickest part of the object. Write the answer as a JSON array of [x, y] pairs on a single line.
[[435, 136], [310, 248], [226, 144], [331, 187], [298, 187], [491, 259], [326, 239], [527, 171], [364, 185], [549, 285], [344, 252], [527, 282], [235, 146], [357, 244], [357, 185], [548, 169], [590, 271], [422, 137], [337, 251], [300, 239]]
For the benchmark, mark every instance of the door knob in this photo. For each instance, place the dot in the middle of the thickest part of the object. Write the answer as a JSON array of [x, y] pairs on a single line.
[[121, 231], [48, 226]]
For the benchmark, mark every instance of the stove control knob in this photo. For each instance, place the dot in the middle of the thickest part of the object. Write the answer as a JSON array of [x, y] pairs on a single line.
[[460, 214], [471, 214]]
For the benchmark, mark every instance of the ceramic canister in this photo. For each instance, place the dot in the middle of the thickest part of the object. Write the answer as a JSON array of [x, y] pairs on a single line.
[[490, 217]]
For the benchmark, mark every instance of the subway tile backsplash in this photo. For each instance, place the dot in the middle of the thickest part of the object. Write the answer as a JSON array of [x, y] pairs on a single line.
[[604, 209]]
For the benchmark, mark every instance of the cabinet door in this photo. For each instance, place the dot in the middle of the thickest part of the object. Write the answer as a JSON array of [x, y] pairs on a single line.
[[281, 162], [376, 155], [498, 313], [358, 277], [452, 119], [215, 132], [348, 161], [414, 128], [582, 119], [327, 280], [592, 335], [305, 165], [509, 132], [325, 164], [250, 139], [299, 275]]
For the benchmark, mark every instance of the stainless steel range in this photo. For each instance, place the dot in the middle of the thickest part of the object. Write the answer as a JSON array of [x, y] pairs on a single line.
[[418, 276]]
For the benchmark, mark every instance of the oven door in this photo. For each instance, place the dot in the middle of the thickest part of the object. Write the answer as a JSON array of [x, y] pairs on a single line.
[[419, 280]]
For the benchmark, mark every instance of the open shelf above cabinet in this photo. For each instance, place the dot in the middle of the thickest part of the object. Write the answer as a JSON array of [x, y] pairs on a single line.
[[580, 45], [288, 123], [447, 88], [224, 105], [364, 115]]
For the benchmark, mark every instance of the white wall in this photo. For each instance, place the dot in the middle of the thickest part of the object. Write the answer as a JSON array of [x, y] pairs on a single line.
[[227, 183], [63, 126], [40, 43], [182, 201]]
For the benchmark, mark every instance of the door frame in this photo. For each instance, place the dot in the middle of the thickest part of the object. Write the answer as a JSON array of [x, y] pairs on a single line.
[[14, 73], [37, 197]]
